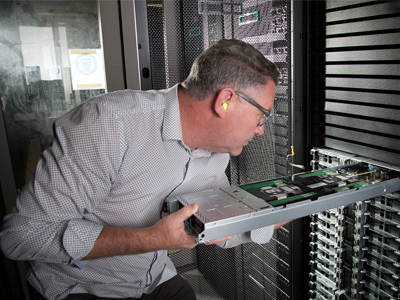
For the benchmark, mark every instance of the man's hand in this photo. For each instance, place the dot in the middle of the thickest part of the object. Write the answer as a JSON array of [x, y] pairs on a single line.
[[277, 226], [171, 230], [167, 234]]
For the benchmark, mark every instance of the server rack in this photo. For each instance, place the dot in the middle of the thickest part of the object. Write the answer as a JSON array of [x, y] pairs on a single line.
[[178, 32], [353, 112]]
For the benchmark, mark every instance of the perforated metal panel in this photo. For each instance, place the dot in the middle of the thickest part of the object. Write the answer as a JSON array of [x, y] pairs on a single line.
[[178, 32]]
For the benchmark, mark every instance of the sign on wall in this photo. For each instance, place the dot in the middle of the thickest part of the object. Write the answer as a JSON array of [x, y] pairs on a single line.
[[87, 69]]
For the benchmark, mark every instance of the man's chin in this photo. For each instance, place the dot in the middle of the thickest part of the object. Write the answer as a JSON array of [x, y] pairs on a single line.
[[236, 152]]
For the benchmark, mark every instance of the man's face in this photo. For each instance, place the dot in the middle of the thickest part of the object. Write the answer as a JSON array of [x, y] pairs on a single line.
[[245, 120]]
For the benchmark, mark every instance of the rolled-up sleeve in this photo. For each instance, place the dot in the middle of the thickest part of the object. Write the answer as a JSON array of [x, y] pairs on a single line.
[[49, 221], [25, 239], [79, 238]]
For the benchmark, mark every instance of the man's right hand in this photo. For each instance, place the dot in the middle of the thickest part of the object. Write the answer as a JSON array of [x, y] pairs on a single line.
[[174, 225], [169, 232]]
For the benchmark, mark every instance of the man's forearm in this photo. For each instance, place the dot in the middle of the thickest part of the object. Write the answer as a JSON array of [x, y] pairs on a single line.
[[167, 234], [122, 241]]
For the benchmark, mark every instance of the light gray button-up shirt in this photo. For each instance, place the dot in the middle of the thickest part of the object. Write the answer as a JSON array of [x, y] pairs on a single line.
[[114, 161]]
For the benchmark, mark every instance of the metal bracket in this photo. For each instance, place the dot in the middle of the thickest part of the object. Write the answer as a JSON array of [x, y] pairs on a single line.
[[231, 210]]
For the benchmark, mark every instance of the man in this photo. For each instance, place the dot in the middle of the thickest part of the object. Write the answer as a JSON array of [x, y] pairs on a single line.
[[88, 221]]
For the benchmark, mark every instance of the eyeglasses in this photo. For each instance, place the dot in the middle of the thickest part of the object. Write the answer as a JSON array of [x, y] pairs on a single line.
[[267, 114]]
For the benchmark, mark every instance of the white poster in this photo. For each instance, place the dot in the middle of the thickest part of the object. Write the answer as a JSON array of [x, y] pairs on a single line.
[[87, 69], [38, 51]]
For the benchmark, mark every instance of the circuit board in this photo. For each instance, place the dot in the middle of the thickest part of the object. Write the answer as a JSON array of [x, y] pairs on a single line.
[[316, 184]]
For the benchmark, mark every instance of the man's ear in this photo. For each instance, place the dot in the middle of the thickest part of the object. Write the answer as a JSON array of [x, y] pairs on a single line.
[[225, 102]]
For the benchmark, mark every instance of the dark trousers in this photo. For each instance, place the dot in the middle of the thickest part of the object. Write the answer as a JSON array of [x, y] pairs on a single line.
[[176, 288]]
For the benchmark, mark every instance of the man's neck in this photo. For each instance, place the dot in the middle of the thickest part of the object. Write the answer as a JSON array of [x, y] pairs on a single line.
[[194, 119]]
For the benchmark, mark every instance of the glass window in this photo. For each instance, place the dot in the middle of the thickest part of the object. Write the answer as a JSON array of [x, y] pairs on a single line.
[[51, 60]]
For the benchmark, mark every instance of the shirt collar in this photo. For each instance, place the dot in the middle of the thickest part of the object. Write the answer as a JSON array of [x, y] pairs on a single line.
[[172, 129], [200, 153]]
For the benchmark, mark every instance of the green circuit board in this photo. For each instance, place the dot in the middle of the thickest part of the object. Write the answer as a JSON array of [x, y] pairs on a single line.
[[312, 185]]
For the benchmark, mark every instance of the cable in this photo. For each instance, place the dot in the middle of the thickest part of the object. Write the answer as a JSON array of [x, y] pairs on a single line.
[[292, 164]]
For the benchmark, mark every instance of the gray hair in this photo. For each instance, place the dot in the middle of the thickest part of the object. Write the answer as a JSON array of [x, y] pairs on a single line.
[[228, 63]]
